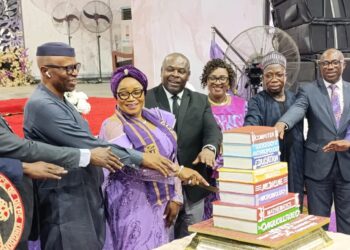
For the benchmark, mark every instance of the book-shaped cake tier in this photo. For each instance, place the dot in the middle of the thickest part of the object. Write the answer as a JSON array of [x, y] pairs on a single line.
[[250, 147], [304, 232]]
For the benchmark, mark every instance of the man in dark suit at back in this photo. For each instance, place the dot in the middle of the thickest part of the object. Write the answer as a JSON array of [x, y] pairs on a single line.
[[198, 134], [326, 105]]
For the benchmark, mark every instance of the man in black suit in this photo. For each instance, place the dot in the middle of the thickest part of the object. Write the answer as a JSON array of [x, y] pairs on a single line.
[[326, 105], [198, 134]]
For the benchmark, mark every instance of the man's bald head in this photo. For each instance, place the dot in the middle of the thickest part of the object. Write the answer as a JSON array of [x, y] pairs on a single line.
[[175, 55], [332, 51]]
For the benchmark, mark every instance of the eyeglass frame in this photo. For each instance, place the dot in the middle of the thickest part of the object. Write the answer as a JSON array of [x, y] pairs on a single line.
[[214, 79], [334, 63], [69, 68], [130, 94]]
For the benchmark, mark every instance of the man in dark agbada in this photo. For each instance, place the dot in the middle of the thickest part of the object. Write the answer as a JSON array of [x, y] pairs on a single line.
[[265, 108]]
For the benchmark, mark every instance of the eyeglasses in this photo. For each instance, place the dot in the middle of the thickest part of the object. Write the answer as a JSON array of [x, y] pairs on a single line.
[[124, 95], [270, 76], [69, 68], [213, 79], [334, 63]]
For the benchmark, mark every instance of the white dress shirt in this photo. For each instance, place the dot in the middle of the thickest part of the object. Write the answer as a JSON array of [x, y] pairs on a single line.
[[170, 99], [85, 157]]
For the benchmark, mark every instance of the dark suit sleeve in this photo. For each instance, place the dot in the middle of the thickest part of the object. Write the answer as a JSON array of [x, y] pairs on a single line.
[[12, 169], [60, 129], [150, 99], [29, 151], [211, 132], [298, 110], [254, 117]]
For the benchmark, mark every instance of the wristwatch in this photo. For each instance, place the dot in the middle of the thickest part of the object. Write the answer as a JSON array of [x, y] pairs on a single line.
[[210, 147]]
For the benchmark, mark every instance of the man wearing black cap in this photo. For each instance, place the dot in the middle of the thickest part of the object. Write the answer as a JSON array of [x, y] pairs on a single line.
[[71, 210]]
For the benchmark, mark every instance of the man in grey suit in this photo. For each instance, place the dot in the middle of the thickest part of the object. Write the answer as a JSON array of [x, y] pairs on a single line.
[[326, 105], [198, 133], [50, 118], [34, 157]]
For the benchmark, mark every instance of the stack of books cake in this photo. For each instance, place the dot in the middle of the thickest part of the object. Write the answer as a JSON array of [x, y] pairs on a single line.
[[255, 210], [253, 183]]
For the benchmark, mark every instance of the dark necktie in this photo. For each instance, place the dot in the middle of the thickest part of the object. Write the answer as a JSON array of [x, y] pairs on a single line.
[[175, 105], [335, 103]]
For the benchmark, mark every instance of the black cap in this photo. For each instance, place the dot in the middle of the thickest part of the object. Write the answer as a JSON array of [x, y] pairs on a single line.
[[55, 49]]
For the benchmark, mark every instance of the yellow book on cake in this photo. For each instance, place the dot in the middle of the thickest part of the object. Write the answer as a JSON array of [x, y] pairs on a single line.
[[253, 176]]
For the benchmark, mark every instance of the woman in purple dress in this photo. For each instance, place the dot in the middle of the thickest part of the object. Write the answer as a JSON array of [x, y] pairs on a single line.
[[228, 110], [141, 204]]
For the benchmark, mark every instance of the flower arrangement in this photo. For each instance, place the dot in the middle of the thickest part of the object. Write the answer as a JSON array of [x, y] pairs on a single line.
[[15, 67], [79, 101]]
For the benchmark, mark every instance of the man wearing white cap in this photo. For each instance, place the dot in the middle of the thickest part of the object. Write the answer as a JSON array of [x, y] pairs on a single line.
[[268, 106]]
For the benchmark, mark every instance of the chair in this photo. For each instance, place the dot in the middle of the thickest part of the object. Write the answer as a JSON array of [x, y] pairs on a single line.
[[120, 59]]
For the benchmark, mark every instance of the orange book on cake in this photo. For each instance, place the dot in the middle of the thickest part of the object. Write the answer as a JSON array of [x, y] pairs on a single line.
[[250, 135]]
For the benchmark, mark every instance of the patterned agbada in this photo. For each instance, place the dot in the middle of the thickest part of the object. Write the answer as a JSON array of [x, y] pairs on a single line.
[[263, 110], [136, 199]]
